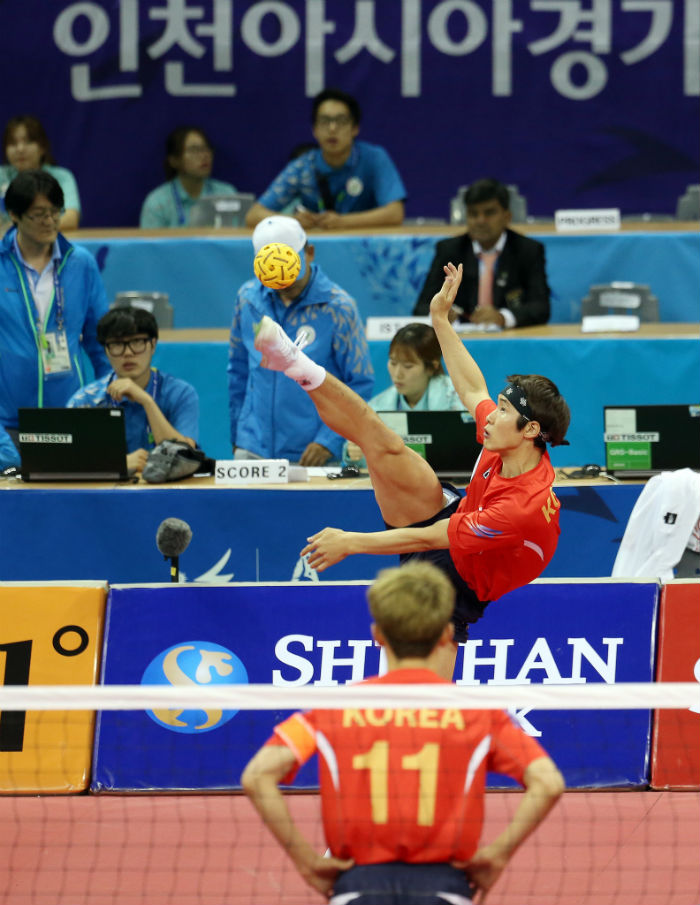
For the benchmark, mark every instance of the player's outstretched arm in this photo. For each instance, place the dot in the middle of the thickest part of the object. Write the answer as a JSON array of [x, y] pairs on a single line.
[[464, 372], [544, 785], [260, 782], [331, 545]]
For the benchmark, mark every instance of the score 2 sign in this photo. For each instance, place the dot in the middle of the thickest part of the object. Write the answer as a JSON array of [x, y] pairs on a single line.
[[50, 636]]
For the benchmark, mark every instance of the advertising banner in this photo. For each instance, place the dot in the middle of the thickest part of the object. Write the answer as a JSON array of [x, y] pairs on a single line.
[[582, 105], [675, 761], [251, 534], [51, 635], [291, 635]]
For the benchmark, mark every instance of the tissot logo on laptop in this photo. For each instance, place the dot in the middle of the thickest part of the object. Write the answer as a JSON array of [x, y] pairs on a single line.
[[45, 438], [194, 663]]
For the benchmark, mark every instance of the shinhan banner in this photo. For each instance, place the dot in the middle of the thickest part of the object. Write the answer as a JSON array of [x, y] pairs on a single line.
[[297, 634], [581, 103]]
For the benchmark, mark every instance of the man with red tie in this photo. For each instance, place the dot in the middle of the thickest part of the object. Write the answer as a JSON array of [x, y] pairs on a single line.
[[504, 280]]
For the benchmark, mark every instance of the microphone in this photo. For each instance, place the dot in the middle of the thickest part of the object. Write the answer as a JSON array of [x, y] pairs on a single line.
[[172, 539]]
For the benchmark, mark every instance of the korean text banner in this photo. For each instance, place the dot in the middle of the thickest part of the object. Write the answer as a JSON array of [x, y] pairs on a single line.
[[293, 635], [581, 103]]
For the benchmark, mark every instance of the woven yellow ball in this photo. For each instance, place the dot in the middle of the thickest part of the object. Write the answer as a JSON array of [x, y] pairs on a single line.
[[276, 265]]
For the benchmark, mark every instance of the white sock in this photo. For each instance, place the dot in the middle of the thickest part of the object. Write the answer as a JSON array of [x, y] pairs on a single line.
[[306, 372]]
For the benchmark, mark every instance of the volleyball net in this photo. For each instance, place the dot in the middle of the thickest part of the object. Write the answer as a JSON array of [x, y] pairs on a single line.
[[132, 794]]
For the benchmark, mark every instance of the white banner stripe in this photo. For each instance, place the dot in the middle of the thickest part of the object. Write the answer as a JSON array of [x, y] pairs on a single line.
[[591, 696]]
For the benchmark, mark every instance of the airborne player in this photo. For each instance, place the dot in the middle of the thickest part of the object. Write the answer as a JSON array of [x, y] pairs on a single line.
[[504, 532]]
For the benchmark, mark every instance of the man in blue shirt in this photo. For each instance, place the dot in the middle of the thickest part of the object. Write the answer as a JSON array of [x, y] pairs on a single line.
[[271, 417], [341, 184], [156, 406]]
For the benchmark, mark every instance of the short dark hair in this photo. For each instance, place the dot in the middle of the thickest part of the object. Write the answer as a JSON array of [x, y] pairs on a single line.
[[126, 321], [422, 339], [335, 94], [487, 190], [547, 405], [175, 144], [35, 132], [26, 186]]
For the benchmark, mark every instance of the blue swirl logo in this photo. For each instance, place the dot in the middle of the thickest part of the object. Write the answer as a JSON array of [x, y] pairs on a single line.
[[194, 663]]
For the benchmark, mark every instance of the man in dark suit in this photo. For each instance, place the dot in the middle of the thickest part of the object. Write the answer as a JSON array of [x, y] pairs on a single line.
[[504, 280]]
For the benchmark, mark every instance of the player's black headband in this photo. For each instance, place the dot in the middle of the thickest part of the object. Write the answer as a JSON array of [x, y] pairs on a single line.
[[515, 394]]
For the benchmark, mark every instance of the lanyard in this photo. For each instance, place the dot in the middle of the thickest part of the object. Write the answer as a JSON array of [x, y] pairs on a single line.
[[181, 218], [57, 296], [32, 312], [326, 200]]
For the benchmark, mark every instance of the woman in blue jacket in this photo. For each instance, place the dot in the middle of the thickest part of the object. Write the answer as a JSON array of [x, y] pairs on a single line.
[[51, 297]]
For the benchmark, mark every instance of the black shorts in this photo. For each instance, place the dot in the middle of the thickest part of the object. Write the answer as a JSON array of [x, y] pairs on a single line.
[[397, 883], [468, 607]]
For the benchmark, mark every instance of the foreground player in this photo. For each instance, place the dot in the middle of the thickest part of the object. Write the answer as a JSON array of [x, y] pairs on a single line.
[[505, 531], [402, 791]]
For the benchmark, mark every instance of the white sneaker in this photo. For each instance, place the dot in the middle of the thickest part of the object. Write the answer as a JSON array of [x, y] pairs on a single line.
[[278, 351]]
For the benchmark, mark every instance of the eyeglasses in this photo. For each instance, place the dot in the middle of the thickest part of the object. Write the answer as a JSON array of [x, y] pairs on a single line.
[[136, 345], [198, 149], [52, 213], [342, 120]]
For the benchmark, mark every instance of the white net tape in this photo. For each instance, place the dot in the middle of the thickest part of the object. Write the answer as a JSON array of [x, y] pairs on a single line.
[[590, 696]]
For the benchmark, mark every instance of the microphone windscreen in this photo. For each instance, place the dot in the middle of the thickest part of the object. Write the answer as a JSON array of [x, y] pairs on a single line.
[[173, 536]]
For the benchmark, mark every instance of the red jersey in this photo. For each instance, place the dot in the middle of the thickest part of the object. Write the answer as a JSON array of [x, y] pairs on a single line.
[[406, 785], [505, 530]]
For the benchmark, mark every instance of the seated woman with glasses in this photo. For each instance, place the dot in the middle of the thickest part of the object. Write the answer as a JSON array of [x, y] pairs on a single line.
[[51, 298], [25, 146], [189, 157], [157, 406], [341, 184]]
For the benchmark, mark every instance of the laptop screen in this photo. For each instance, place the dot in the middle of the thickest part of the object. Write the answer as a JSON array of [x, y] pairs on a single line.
[[447, 440], [642, 440], [221, 210], [76, 444]]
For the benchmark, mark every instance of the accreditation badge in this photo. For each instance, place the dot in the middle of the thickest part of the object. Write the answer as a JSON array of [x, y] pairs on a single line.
[[55, 355], [354, 186]]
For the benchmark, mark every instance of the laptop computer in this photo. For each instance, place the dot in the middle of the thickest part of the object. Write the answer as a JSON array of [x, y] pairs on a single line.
[[80, 444], [221, 210], [447, 440], [643, 440]]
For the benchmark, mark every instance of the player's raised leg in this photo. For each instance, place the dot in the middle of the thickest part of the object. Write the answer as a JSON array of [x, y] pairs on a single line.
[[406, 488]]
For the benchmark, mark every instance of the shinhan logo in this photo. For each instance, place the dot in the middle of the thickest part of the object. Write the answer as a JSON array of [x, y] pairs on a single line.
[[194, 663]]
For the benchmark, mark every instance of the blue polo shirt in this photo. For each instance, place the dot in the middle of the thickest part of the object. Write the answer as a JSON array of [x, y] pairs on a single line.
[[177, 400], [366, 180]]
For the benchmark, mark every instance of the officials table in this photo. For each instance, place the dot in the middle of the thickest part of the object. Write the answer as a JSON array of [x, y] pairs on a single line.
[[384, 269], [659, 364], [108, 532]]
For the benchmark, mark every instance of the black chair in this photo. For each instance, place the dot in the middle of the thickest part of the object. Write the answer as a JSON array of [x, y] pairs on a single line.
[[688, 206], [621, 298], [155, 302]]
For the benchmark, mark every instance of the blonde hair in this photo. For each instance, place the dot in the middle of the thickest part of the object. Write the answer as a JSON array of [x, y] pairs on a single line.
[[411, 605]]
